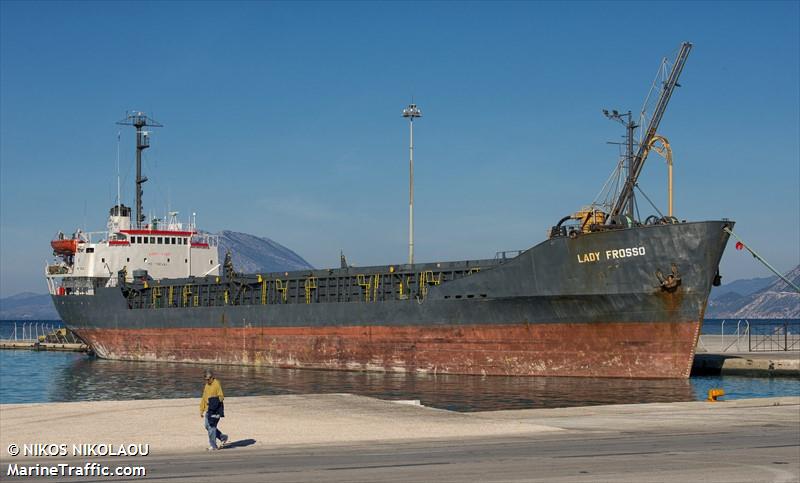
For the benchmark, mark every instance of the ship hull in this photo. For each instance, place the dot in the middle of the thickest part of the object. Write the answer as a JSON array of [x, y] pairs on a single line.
[[566, 307], [607, 349]]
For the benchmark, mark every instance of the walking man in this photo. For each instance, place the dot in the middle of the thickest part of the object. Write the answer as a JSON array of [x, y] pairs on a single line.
[[212, 408]]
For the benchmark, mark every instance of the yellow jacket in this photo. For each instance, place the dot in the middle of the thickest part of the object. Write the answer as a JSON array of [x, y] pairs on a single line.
[[210, 390]]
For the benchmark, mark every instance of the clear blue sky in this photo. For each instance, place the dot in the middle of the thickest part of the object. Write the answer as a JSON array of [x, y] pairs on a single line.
[[284, 120]]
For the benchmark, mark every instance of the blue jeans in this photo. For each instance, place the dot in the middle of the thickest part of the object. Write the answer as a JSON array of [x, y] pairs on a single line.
[[214, 433]]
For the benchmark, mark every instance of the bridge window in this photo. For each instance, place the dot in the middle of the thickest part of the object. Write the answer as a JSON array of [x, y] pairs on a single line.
[[160, 240], [145, 239], [152, 239], [173, 240]]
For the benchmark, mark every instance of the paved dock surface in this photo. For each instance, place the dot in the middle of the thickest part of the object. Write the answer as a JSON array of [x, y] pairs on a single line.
[[353, 438]]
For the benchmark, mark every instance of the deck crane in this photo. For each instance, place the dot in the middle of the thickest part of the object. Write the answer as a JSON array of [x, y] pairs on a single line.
[[625, 201]]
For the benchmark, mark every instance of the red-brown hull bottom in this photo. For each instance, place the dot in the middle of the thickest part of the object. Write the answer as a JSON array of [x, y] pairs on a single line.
[[609, 349]]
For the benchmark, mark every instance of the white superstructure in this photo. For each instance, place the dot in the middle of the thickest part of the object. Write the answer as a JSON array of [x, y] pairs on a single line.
[[87, 260]]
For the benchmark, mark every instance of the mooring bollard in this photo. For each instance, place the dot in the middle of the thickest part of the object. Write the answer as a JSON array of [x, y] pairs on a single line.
[[715, 393]]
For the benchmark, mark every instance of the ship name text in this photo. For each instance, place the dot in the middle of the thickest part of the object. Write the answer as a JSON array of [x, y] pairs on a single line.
[[590, 257]]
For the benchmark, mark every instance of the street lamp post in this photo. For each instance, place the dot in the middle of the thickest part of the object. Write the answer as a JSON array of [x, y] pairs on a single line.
[[411, 112]]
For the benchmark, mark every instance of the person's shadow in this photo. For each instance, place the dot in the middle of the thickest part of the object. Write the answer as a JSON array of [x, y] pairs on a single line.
[[239, 444]]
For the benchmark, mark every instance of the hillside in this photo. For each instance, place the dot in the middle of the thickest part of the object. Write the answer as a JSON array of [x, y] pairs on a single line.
[[253, 254], [741, 287], [28, 306], [775, 301]]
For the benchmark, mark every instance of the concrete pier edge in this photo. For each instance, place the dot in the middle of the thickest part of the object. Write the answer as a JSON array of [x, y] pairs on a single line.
[[765, 364]]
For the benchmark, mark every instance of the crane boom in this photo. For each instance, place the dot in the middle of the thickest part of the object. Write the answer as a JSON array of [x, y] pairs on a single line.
[[644, 144]]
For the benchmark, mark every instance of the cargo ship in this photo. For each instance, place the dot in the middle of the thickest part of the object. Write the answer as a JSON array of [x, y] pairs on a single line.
[[604, 295]]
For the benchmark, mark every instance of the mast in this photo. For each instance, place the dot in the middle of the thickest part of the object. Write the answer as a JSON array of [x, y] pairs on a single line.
[[629, 130], [630, 126], [119, 194], [625, 200], [139, 120]]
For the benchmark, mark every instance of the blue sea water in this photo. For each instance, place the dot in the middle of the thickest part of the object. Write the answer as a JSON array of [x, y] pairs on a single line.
[[27, 376], [731, 326]]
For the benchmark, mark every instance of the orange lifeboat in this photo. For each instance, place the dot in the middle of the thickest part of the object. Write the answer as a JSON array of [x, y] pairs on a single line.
[[64, 247]]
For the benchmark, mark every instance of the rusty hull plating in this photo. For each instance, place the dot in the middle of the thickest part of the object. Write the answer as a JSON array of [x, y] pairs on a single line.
[[610, 349]]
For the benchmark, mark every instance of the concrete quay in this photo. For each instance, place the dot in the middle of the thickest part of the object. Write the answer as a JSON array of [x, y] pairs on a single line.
[[717, 354], [342, 437], [43, 346], [748, 363], [46, 339]]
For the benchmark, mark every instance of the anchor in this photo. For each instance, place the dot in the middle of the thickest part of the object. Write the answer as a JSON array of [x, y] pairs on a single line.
[[671, 282]]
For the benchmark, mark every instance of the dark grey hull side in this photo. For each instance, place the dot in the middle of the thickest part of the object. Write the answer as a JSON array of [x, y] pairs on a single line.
[[548, 283]]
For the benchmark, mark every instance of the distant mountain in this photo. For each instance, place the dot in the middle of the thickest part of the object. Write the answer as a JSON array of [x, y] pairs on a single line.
[[742, 287], [253, 254], [775, 301], [28, 306], [250, 254]]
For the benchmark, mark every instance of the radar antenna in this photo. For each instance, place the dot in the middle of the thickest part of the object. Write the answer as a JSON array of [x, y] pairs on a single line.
[[139, 120]]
